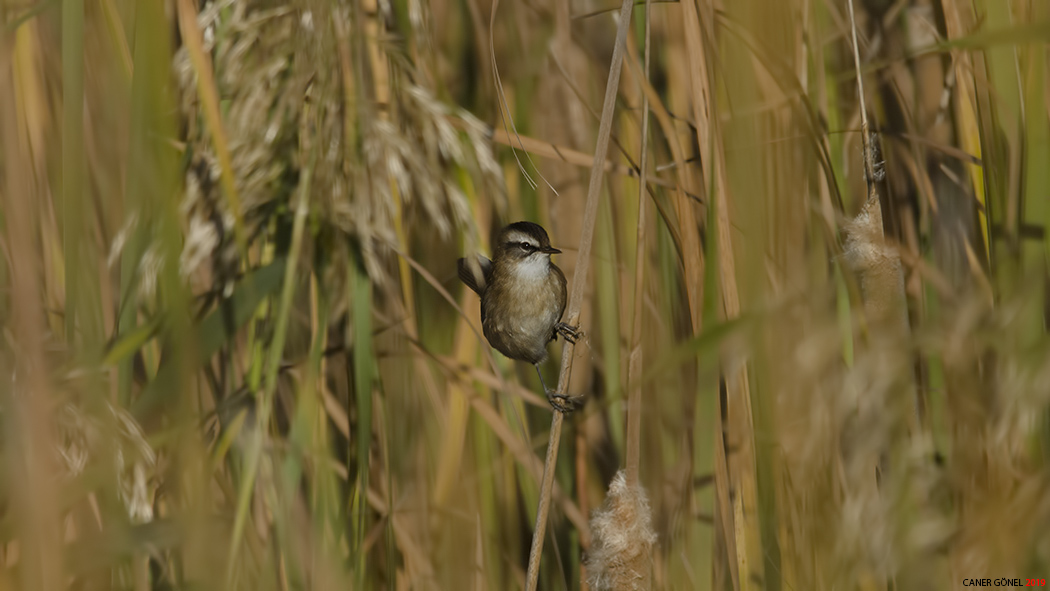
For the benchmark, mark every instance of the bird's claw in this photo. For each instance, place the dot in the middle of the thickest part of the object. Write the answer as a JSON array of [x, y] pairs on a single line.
[[568, 332], [563, 403]]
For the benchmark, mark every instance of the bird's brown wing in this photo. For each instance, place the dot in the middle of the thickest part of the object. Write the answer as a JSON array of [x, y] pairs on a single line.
[[564, 292], [476, 277], [563, 286]]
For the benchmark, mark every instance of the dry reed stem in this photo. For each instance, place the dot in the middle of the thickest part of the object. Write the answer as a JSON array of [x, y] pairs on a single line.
[[683, 174], [26, 392], [546, 149], [73, 168], [964, 104], [634, 363], [572, 310]]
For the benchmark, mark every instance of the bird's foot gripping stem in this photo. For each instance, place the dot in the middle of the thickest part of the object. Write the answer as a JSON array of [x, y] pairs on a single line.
[[562, 403], [568, 332]]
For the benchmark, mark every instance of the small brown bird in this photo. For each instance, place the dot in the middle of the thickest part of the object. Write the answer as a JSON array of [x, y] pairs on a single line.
[[522, 298]]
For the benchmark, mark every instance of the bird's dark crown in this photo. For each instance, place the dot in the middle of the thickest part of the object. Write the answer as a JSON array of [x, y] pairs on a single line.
[[524, 238]]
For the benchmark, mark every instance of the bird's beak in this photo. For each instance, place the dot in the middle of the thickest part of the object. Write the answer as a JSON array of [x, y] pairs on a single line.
[[550, 250]]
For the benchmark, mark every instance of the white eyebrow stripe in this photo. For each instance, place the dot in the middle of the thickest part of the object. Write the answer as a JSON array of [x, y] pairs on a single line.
[[515, 236]]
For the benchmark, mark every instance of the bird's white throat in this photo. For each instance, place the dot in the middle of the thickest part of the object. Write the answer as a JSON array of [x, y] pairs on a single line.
[[533, 268]]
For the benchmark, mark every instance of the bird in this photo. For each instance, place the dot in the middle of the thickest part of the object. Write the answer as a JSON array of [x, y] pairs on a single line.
[[523, 296]]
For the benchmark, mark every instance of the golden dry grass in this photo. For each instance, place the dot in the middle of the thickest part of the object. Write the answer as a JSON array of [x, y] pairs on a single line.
[[235, 354]]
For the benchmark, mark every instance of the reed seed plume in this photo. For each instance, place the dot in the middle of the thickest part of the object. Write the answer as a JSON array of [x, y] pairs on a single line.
[[878, 265], [621, 554], [379, 166]]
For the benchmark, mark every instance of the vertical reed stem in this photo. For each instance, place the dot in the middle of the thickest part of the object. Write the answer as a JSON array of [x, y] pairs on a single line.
[[572, 311]]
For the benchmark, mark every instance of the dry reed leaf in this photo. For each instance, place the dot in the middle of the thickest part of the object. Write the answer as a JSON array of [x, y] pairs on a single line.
[[738, 512]]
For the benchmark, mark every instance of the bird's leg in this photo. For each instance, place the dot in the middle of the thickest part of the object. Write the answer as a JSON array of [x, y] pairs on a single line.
[[569, 332], [560, 402]]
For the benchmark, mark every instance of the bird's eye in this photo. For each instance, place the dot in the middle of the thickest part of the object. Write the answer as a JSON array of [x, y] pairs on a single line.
[[525, 246]]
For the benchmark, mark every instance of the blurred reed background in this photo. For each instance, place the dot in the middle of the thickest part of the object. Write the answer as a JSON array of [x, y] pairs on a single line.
[[235, 355]]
